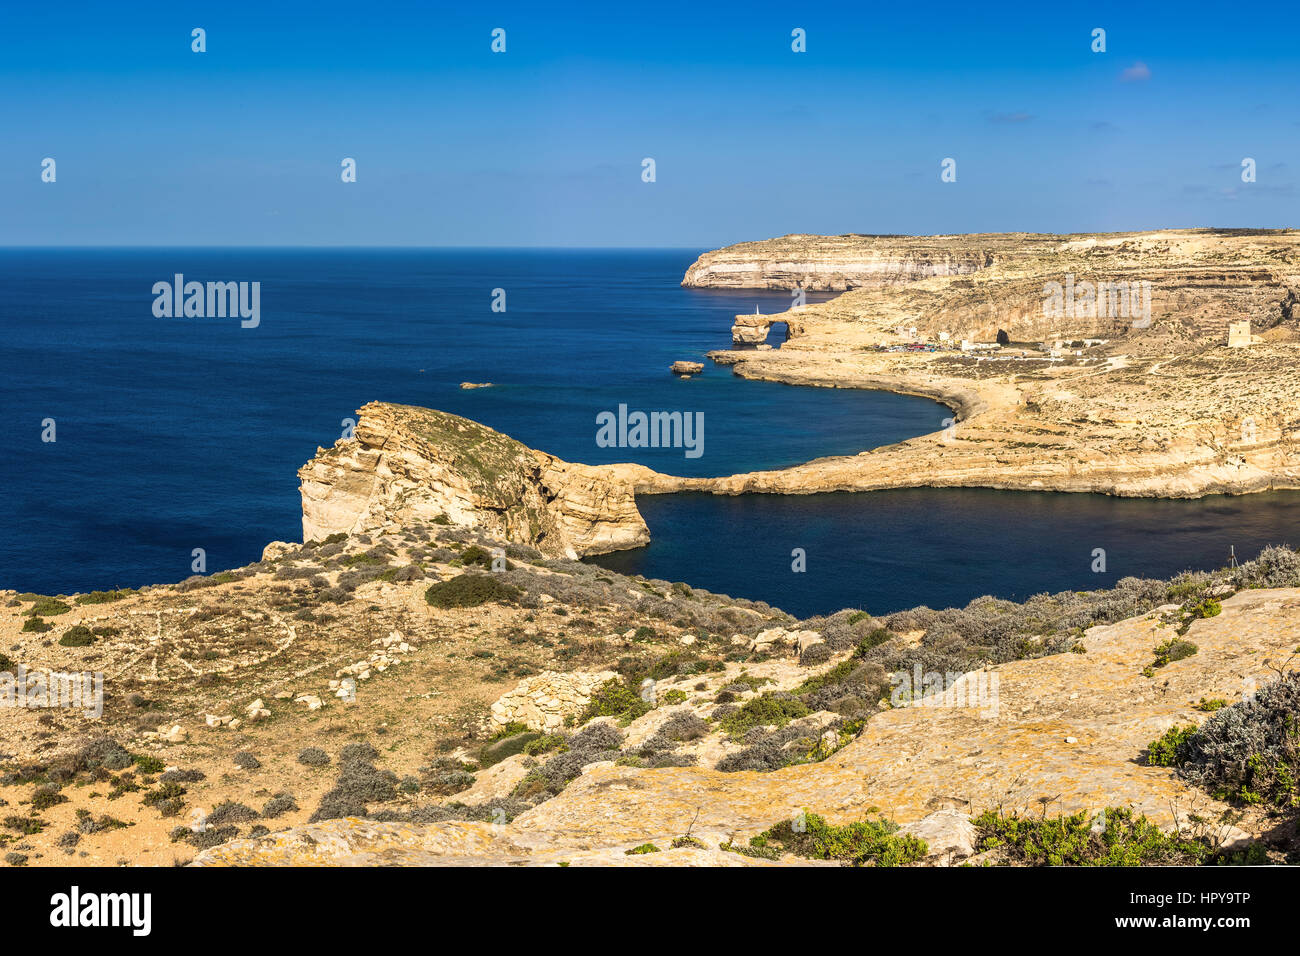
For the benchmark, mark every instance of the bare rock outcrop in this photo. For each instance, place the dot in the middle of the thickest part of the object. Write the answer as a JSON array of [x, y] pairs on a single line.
[[406, 463], [546, 701]]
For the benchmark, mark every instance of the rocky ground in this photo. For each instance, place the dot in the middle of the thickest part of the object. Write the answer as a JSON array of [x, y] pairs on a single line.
[[429, 694]]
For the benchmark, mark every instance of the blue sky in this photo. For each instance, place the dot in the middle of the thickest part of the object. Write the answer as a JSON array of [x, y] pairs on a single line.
[[542, 145]]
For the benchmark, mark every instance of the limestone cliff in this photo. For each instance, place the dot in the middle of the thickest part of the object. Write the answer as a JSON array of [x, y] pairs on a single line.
[[836, 263], [405, 462], [974, 285], [1130, 392]]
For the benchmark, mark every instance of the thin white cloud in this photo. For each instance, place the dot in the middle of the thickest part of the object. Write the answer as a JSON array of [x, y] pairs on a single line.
[[1136, 73]]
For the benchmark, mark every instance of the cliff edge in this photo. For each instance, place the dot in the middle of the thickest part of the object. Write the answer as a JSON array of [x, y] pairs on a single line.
[[405, 463]]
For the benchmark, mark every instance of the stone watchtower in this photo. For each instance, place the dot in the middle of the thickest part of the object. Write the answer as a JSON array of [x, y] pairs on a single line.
[[1239, 334]]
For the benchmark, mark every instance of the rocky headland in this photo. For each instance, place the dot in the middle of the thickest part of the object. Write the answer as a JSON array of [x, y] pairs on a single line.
[[406, 464], [1132, 392]]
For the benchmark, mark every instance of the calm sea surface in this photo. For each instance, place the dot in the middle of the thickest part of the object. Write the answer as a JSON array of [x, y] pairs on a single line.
[[183, 433]]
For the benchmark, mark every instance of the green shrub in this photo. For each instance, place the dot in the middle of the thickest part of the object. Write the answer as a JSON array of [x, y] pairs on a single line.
[[643, 848], [1207, 608], [470, 590], [769, 709], [35, 625], [878, 636], [836, 675], [1170, 749], [77, 636], [48, 796], [47, 607], [1173, 650], [615, 698], [104, 597], [1114, 838], [148, 763], [862, 843], [164, 794], [474, 556]]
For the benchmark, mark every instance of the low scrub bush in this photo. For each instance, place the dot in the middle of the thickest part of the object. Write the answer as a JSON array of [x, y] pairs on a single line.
[[862, 843], [47, 607], [615, 698], [470, 590], [1250, 752], [774, 709], [78, 636], [1114, 837]]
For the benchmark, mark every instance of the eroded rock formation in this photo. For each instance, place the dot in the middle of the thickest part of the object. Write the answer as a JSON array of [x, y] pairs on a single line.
[[405, 462]]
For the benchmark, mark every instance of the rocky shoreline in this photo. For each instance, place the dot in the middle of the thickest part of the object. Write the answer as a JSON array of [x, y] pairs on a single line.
[[1163, 409], [1144, 407]]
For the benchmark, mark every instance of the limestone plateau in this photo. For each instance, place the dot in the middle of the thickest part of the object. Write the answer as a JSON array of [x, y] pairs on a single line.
[[1087, 400]]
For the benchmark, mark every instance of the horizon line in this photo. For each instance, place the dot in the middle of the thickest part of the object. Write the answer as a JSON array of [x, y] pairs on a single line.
[[629, 247], [35, 246]]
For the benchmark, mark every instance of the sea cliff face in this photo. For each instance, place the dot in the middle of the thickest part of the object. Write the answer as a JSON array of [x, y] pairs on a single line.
[[405, 463], [833, 263]]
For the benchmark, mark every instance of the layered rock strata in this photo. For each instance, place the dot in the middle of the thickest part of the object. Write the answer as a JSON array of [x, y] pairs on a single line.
[[404, 462]]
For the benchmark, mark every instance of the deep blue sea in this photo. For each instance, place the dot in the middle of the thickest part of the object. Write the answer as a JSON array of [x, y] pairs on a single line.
[[183, 433]]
